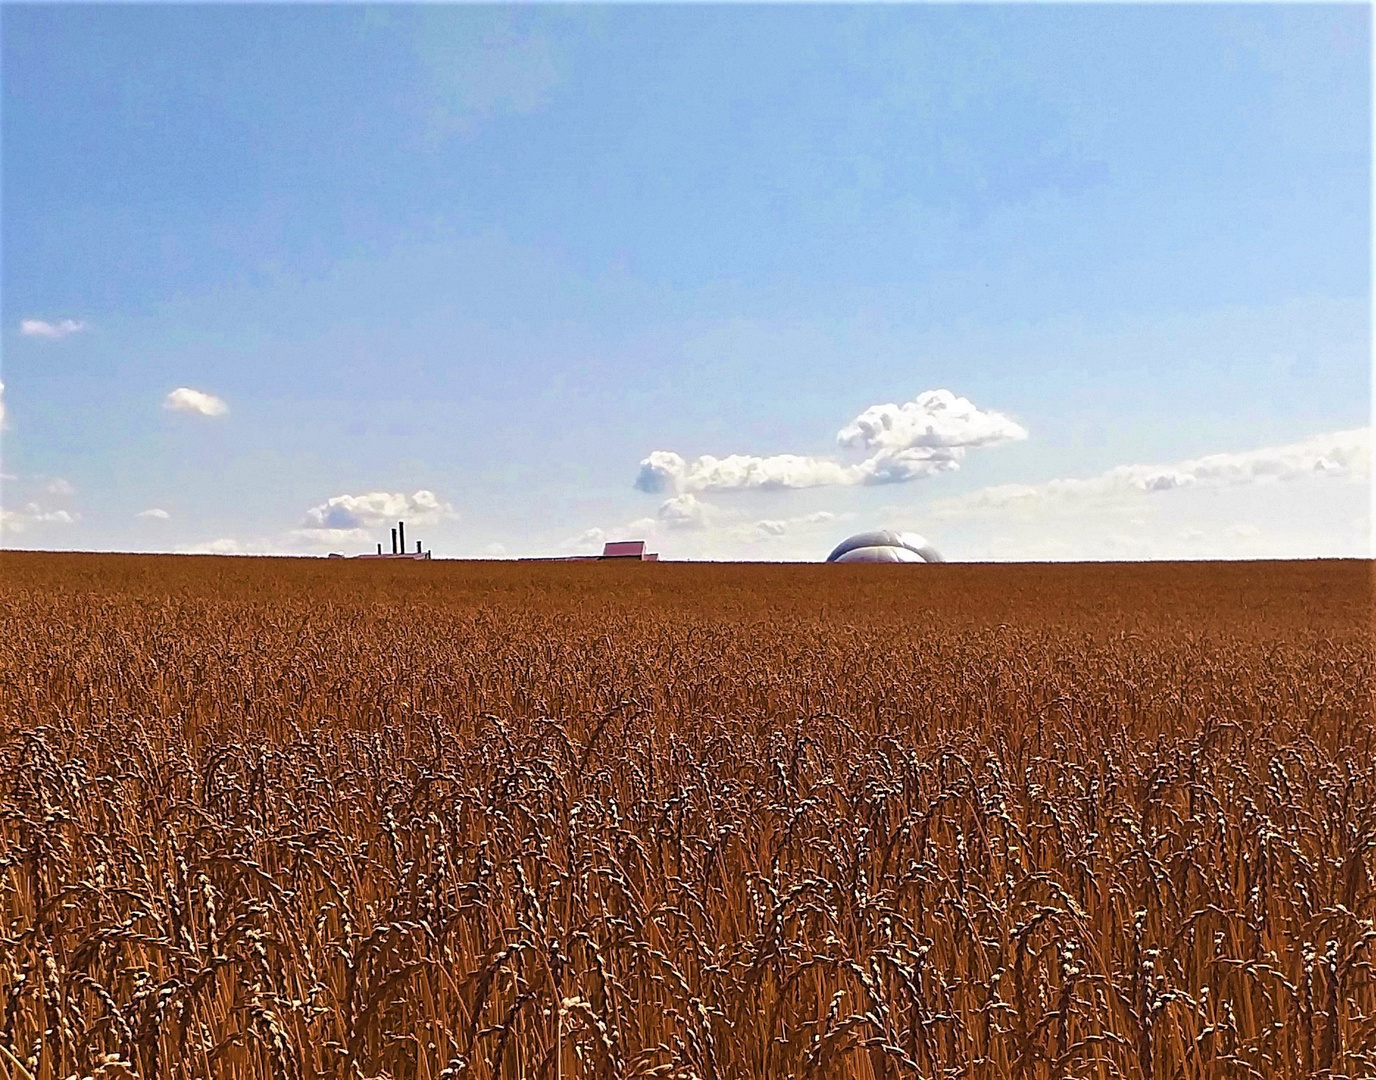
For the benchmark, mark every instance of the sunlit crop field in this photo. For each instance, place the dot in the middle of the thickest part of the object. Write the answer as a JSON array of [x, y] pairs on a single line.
[[289, 818]]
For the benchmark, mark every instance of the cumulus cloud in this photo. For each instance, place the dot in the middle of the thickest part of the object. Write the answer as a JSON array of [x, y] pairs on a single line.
[[154, 514], [934, 419], [685, 511], [184, 399], [51, 331], [59, 487], [1336, 454], [589, 540], [345, 513], [930, 434]]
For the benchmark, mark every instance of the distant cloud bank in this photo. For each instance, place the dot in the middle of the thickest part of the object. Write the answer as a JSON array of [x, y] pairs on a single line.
[[1338, 453], [184, 399], [919, 438], [52, 331]]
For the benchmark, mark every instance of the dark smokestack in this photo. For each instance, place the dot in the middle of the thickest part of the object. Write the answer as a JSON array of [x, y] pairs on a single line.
[[379, 547], [394, 541], [417, 547], [401, 532]]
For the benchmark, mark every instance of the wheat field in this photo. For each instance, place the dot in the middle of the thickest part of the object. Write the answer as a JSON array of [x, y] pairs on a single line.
[[295, 818]]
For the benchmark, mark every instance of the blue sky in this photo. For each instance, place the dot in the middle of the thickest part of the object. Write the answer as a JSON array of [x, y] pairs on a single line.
[[475, 265]]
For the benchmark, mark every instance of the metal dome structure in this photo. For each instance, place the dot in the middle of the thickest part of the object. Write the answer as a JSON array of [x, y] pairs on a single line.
[[884, 546]]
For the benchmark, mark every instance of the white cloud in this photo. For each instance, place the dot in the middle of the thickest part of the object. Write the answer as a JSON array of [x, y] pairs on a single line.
[[919, 438], [2, 406], [688, 527], [769, 529], [344, 513], [59, 487], [933, 419], [230, 545], [309, 538], [225, 545], [184, 399], [665, 470], [50, 331], [17, 521], [154, 513], [588, 541], [496, 550], [1336, 454], [685, 511]]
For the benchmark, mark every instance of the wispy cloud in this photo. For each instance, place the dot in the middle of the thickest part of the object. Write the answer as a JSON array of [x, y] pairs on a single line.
[[154, 514], [475, 77], [184, 399], [1336, 454], [768, 529], [928, 435], [52, 331], [665, 470]]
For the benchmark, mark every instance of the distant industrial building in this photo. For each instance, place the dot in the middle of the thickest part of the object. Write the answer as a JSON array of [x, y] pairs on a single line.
[[398, 548], [615, 550]]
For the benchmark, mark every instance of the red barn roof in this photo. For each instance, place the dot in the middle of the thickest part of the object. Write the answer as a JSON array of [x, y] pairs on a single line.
[[624, 549]]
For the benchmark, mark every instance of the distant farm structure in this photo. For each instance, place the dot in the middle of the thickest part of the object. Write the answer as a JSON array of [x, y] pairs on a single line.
[[398, 548], [614, 550]]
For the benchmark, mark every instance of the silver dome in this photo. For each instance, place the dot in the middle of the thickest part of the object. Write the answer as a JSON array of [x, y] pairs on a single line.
[[884, 545]]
